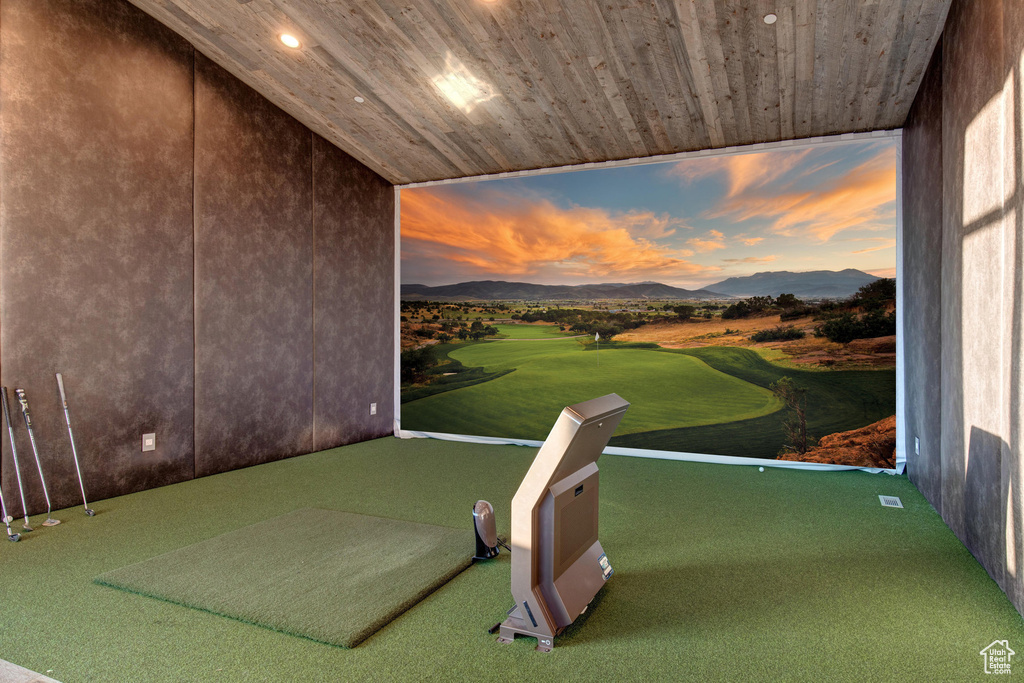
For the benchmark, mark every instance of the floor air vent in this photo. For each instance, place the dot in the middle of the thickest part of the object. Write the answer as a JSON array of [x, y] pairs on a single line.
[[890, 502]]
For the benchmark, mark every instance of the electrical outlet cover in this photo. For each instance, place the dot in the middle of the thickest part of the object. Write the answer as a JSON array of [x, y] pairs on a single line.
[[149, 442]]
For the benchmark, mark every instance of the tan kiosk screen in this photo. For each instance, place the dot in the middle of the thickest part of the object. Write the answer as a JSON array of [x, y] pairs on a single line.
[[558, 564]]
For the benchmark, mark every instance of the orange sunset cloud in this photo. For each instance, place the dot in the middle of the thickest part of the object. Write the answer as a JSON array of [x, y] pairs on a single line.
[[885, 244], [713, 239], [863, 198], [751, 259], [744, 171], [517, 237]]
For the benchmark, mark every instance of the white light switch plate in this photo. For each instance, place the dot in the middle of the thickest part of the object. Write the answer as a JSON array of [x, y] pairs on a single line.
[[149, 442], [373, 409]]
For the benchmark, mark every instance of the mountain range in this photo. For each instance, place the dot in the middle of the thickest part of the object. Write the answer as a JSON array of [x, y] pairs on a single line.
[[497, 290], [818, 284]]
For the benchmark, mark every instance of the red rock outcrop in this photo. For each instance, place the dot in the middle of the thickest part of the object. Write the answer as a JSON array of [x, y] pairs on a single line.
[[871, 446]]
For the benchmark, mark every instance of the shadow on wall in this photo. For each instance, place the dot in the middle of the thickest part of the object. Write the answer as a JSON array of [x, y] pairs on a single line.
[[983, 286], [991, 538]]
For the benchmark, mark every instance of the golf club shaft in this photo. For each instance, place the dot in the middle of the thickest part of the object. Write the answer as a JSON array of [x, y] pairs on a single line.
[[7, 522], [23, 400], [71, 436], [14, 451]]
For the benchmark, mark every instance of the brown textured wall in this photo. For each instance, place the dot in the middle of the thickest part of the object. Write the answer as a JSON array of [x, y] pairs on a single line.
[[254, 277], [972, 76], [1012, 460], [354, 312], [922, 269], [156, 247], [96, 240], [980, 285]]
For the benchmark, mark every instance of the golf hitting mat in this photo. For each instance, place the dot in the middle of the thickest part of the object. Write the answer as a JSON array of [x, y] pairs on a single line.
[[334, 577]]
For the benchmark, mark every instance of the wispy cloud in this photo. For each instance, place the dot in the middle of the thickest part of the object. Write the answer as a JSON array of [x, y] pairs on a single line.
[[751, 259], [712, 239], [862, 198], [882, 272], [494, 234], [885, 243], [743, 172], [751, 241]]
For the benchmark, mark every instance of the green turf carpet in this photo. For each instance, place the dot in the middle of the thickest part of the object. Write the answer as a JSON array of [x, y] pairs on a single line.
[[722, 573], [334, 577]]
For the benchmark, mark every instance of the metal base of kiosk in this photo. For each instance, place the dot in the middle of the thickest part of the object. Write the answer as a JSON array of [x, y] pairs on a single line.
[[515, 625]]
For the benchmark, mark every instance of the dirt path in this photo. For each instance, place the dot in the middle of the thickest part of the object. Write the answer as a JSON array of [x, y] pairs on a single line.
[[811, 351]]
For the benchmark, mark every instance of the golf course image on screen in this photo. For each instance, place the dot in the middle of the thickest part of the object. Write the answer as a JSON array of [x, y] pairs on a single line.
[[744, 305]]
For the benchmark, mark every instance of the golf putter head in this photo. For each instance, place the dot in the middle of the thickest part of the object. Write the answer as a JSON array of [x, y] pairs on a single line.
[[486, 531]]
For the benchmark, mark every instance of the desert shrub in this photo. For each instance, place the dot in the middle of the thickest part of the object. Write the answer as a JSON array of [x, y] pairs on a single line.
[[415, 364], [797, 312], [847, 327], [780, 333], [877, 294], [684, 312], [786, 301], [740, 309], [795, 420]]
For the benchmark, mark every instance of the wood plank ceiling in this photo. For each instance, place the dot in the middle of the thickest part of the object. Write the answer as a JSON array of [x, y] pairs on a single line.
[[455, 88]]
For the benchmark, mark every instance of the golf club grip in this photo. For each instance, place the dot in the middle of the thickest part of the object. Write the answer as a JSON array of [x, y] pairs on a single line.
[[7, 410], [23, 401], [60, 385]]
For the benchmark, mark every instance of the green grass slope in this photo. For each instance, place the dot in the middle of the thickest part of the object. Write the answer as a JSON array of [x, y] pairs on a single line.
[[837, 401], [666, 390], [531, 331]]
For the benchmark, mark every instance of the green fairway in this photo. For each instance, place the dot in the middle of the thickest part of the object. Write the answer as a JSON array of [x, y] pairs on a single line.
[[837, 401], [666, 390], [531, 331], [712, 399]]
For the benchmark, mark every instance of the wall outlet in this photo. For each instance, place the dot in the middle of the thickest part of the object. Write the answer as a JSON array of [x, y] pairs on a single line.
[[917, 446], [149, 442], [373, 409]]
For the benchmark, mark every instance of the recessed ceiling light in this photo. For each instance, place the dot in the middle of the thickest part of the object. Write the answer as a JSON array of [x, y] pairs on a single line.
[[358, 99], [770, 19], [289, 40]]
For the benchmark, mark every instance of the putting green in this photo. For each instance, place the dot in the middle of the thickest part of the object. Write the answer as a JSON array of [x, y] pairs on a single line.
[[666, 390]]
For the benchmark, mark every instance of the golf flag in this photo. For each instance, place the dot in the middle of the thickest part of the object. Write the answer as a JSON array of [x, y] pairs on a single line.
[[597, 336]]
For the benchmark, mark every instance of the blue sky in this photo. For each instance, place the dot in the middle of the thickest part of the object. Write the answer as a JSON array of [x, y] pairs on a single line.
[[685, 223]]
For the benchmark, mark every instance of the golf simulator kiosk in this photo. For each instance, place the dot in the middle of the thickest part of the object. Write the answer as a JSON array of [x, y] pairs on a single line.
[[558, 564]]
